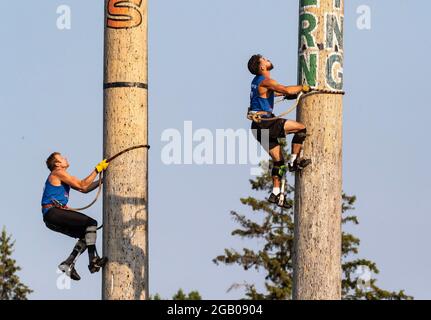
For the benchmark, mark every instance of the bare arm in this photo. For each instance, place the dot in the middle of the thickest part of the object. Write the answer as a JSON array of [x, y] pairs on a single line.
[[273, 85], [93, 186], [76, 184]]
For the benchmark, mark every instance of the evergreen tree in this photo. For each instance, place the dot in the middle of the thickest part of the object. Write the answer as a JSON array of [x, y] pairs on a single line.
[[10, 286], [155, 297], [180, 295], [275, 227]]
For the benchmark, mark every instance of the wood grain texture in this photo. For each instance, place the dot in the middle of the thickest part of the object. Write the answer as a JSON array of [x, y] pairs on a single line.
[[318, 189], [125, 198]]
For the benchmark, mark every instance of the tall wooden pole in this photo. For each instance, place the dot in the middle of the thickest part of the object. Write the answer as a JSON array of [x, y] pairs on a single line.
[[317, 259], [125, 198]]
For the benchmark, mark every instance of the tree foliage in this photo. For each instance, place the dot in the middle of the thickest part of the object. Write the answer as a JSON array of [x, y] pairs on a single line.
[[274, 227], [11, 287], [180, 295]]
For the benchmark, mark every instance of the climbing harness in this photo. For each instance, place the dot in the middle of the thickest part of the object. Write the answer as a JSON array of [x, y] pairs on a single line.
[[256, 116], [101, 176]]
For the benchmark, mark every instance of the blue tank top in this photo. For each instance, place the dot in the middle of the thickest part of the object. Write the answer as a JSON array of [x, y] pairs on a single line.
[[59, 193], [257, 103]]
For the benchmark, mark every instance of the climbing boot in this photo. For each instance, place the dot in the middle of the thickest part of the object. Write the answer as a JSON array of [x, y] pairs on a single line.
[[97, 263], [299, 165], [69, 270]]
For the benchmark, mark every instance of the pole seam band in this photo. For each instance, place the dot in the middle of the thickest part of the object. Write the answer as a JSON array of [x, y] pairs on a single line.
[[125, 85]]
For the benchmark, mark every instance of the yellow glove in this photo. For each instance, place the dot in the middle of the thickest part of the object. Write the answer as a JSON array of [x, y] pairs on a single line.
[[306, 88], [103, 165]]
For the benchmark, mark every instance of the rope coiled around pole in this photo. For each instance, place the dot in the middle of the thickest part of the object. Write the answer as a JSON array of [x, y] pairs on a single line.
[[256, 117], [101, 175]]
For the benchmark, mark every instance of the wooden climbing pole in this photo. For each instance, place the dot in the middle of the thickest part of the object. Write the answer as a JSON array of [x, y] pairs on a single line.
[[125, 198], [317, 258]]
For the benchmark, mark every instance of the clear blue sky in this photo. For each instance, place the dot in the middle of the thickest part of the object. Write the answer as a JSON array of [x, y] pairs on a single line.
[[51, 99]]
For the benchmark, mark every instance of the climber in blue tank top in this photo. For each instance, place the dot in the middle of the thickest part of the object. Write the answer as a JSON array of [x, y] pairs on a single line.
[[54, 194], [263, 91], [59, 218], [258, 103]]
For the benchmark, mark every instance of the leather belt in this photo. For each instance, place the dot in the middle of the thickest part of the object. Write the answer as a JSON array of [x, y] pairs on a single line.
[[51, 205]]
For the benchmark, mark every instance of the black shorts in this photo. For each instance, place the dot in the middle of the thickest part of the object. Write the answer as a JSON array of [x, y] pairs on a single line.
[[275, 130], [71, 223]]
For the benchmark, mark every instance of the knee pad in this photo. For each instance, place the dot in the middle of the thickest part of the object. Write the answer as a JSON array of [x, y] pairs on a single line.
[[300, 136], [277, 165], [90, 235]]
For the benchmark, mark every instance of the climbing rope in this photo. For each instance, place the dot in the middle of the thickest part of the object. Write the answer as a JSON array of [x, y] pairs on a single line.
[[256, 117], [101, 176]]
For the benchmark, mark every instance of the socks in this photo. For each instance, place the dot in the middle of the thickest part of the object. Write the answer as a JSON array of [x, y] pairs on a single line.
[[77, 250], [293, 158], [91, 252], [276, 191]]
